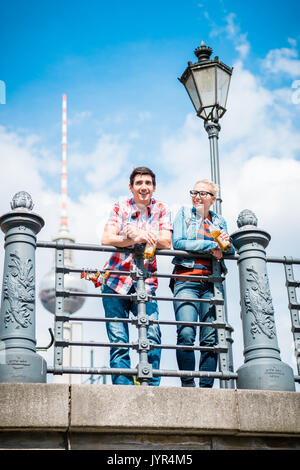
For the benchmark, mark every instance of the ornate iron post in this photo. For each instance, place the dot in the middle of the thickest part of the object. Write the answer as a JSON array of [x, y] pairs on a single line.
[[263, 368], [19, 361], [144, 374]]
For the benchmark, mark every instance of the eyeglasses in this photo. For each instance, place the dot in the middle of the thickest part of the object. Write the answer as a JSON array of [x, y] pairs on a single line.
[[202, 194]]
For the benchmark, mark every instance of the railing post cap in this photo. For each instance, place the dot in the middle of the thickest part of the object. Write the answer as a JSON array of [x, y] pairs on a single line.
[[246, 218], [248, 230], [22, 200], [21, 207]]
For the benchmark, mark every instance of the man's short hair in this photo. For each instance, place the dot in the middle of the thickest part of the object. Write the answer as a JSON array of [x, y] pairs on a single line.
[[142, 170], [212, 186]]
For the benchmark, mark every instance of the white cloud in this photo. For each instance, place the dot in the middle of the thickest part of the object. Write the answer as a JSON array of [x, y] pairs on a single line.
[[20, 166], [233, 32], [283, 61], [269, 187], [105, 163], [247, 106]]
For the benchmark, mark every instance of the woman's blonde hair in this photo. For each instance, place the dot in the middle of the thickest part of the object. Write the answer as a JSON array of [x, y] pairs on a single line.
[[212, 186]]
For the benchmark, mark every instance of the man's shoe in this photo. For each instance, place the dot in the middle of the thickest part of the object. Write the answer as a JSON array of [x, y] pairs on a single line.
[[188, 384]]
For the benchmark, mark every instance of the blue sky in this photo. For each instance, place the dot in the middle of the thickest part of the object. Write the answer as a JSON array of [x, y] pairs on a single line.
[[118, 63]]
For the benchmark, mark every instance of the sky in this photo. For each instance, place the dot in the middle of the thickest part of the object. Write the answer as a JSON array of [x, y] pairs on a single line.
[[118, 63]]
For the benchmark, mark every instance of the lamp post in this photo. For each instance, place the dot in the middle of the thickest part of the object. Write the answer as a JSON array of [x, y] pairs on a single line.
[[207, 84]]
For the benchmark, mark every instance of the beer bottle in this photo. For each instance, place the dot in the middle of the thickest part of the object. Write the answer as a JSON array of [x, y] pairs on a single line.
[[150, 249], [223, 244]]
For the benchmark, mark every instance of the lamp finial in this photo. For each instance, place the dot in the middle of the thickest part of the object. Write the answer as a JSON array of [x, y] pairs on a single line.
[[203, 52]]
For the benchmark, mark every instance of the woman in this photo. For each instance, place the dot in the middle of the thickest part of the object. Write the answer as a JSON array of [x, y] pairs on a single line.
[[191, 233]]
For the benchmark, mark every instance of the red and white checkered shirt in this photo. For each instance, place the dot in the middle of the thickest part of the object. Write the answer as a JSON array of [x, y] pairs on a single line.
[[156, 216]]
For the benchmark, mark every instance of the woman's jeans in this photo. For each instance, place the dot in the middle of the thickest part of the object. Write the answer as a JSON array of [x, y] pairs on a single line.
[[118, 333], [188, 312]]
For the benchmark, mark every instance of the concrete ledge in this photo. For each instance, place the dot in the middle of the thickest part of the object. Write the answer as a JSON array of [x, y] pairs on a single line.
[[153, 409], [185, 410], [268, 412], [34, 406], [58, 416]]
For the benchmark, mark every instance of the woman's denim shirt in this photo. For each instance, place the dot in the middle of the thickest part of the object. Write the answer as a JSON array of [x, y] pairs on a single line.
[[185, 229]]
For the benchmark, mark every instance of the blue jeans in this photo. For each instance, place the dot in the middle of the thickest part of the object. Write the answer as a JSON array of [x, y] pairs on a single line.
[[189, 311], [118, 333]]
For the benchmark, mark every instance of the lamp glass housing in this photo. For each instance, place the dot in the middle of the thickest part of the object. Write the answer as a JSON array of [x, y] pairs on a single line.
[[191, 88], [205, 79], [207, 84], [223, 82]]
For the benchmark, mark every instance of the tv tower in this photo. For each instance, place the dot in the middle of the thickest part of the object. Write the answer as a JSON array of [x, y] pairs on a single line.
[[72, 281]]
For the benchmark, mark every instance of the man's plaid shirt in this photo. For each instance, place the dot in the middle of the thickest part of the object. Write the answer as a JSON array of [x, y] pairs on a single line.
[[156, 216]]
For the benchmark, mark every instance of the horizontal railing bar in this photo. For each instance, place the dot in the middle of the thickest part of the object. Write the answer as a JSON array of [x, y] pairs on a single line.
[[291, 260], [66, 293], [155, 274], [91, 371], [180, 253], [294, 306], [133, 296], [190, 348], [95, 344], [155, 372], [67, 318], [216, 348], [292, 283], [134, 320], [94, 270], [108, 248], [212, 300], [79, 246], [185, 373]]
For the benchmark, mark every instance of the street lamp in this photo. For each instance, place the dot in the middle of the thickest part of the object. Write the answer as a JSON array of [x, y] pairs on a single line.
[[207, 83]]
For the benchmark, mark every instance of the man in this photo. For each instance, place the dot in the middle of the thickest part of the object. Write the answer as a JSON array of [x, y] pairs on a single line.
[[139, 219]]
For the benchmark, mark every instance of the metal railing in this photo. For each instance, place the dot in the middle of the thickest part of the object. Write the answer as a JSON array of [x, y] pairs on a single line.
[[294, 305], [143, 372], [262, 369]]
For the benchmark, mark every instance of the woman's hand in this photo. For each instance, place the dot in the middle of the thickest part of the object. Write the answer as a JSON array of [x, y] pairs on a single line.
[[224, 236], [217, 253]]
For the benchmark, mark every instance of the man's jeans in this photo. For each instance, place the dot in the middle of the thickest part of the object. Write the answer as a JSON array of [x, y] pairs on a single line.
[[188, 312], [118, 333]]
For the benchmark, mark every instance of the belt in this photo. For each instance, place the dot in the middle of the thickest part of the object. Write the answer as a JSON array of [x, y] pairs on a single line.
[[187, 278]]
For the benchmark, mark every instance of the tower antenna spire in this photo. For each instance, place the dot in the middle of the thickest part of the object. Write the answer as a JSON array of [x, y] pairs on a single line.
[[64, 218], [72, 281]]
